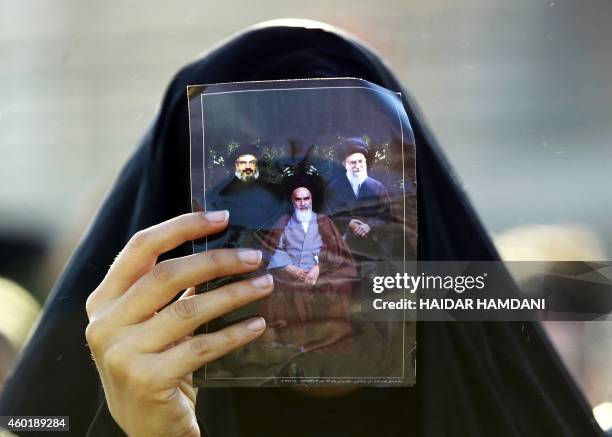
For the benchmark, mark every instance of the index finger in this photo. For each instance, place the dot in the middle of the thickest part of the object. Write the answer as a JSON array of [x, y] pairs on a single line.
[[141, 252]]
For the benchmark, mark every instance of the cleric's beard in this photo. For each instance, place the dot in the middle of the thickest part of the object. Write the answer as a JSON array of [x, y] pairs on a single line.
[[247, 178], [303, 216], [358, 178]]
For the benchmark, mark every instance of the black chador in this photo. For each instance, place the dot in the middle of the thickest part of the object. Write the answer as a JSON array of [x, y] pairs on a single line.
[[475, 379]]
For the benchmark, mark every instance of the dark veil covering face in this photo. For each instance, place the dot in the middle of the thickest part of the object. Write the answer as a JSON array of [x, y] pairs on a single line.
[[474, 378]]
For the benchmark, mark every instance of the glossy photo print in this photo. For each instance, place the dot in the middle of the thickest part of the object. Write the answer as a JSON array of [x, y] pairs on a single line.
[[320, 176]]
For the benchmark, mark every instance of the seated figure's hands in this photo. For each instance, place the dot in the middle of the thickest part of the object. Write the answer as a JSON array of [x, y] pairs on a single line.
[[363, 230], [354, 226], [312, 275], [295, 272], [359, 228], [143, 348]]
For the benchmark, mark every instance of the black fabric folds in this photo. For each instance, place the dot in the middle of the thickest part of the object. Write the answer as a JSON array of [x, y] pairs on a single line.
[[474, 379]]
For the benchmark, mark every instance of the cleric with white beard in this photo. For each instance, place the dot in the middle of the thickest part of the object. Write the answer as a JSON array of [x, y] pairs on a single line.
[[359, 205], [313, 271], [300, 245]]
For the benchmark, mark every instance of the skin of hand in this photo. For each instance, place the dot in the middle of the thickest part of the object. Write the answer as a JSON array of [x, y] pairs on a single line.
[[364, 230], [359, 228], [295, 272], [354, 225], [312, 275], [143, 345]]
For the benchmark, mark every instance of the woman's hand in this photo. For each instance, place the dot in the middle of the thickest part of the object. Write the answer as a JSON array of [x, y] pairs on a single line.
[[143, 347]]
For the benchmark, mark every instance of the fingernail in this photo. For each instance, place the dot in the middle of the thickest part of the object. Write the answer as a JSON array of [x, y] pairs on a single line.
[[250, 256], [217, 216], [262, 281], [257, 324]]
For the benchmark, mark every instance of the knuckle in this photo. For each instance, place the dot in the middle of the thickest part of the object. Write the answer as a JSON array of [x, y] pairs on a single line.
[[93, 334], [116, 361], [163, 272], [217, 259], [90, 305], [233, 293], [199, 346], [184, 308], [138, 240], [232, 337]]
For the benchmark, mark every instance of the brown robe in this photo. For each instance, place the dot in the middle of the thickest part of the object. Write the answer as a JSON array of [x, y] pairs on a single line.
[[312, 318]]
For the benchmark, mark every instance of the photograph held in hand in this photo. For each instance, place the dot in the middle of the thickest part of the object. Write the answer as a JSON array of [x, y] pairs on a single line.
[[309, 171]]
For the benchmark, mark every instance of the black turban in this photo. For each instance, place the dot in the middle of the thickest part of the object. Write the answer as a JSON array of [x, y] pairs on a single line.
[[349, 146]]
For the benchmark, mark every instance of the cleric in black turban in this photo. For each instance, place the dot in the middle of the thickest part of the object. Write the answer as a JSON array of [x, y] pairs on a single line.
[[360, 205], [254, 204]]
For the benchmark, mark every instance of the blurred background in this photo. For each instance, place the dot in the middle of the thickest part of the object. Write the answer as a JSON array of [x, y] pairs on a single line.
[[518, 93]]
